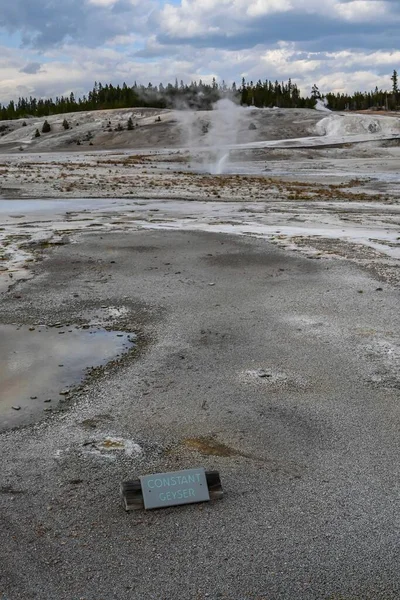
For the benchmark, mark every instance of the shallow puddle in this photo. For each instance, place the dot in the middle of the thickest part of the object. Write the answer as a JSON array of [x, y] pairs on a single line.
[[38, 366]]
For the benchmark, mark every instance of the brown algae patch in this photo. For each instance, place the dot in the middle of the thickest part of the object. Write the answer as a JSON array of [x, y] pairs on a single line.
[[110, 444], [209, 446]]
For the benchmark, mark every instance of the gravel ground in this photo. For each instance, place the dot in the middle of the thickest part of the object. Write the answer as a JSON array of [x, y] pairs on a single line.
[[308, 452]]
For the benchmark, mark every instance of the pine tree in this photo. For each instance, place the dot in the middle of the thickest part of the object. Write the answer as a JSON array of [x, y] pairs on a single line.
[[46, 127], [130, 124], [395, 82], [37, 133], [244, 93], [315, 93], [65, 124]]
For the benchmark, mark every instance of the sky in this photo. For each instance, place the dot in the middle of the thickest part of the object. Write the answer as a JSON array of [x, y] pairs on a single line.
[[53, 47]]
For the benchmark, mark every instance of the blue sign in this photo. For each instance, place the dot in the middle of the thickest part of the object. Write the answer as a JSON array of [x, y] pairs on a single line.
[[175, 488]]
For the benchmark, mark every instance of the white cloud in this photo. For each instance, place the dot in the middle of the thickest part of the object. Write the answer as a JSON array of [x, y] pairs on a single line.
[[103, 2], [258, 8], [363, 10], [193, 17], [156, 40]]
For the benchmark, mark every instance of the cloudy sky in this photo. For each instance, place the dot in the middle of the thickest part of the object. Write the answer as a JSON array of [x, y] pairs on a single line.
[[52, 47]]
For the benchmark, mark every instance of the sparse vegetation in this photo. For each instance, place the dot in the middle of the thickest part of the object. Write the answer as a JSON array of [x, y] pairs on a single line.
[[37, 133], [65, 124], [130, 124]]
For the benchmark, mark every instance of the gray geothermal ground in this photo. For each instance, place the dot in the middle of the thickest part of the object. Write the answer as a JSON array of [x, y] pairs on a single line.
[[248, 324]]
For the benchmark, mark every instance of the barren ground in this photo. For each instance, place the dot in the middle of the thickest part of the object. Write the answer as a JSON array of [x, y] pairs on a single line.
[[264, 307]]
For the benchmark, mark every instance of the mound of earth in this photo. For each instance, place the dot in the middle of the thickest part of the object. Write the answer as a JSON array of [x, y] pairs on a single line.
[[152, 128]]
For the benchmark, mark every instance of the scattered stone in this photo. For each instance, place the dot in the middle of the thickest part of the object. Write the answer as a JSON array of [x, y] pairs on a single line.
[[64, 393], [48, 400], [33, 397], [211, 284], [31, 329], [16, 407], [263, 374], [379, 289]]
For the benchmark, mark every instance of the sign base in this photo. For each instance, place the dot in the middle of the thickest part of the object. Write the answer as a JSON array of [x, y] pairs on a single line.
[[144, 493]]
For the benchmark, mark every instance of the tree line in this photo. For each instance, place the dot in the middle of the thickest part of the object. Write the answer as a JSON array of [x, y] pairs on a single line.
[[200, 95]]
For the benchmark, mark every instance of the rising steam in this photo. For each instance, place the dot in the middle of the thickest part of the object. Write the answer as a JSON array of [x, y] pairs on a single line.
[[213, 133]]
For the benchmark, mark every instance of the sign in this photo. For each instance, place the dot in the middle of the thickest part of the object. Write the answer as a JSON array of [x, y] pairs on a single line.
[[175, 488]]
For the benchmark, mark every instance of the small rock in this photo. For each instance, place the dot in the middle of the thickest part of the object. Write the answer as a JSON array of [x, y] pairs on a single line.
[[16, 407], [64, 393], [263, 374], [379, 289], [48, 400], [31, 329], [211, 284], [33, 397]]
